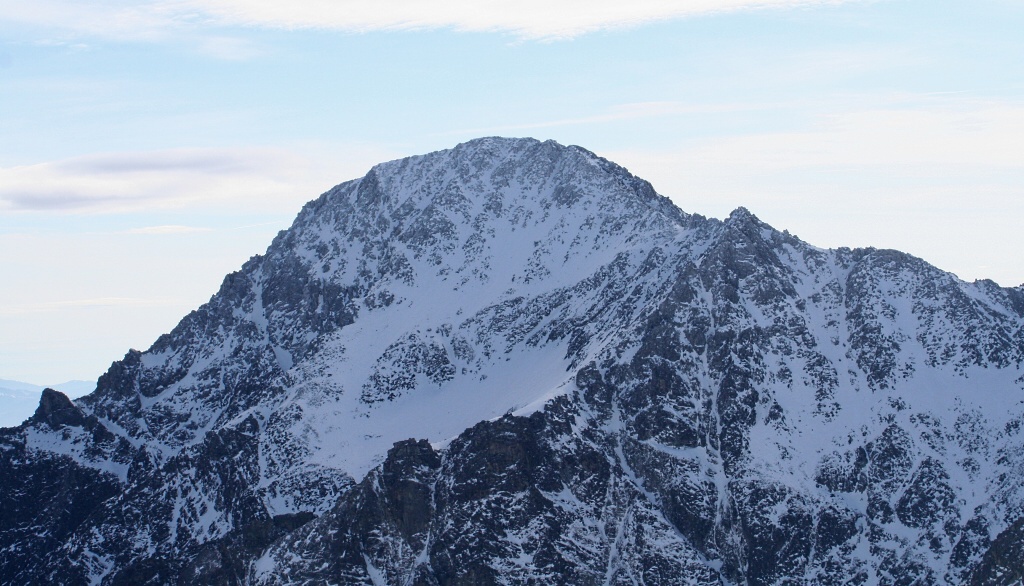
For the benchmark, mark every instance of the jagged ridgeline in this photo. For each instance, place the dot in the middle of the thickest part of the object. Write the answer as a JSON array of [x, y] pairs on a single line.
[[513, 362]]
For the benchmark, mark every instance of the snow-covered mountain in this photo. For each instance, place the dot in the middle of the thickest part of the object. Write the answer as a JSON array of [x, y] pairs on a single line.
[[599, 389]]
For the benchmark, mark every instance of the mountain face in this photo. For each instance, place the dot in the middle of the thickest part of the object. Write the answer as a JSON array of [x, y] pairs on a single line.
[[515, 363]]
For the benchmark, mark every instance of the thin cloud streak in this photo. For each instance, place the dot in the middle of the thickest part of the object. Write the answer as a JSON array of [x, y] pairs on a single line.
[[188, 160], [159, 179], [527, 19]]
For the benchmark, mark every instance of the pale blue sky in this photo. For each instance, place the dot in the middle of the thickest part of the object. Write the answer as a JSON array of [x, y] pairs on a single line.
[[148, 148]]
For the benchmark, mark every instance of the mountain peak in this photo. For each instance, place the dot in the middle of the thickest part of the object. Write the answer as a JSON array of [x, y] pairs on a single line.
[[741, 214], [554, 174]]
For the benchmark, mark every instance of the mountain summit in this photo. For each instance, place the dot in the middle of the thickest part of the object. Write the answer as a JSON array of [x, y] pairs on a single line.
[[513, 362]]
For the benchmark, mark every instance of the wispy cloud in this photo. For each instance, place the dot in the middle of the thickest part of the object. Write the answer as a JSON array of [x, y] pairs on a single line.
[[529, 19], [536, 19], [157, 179]]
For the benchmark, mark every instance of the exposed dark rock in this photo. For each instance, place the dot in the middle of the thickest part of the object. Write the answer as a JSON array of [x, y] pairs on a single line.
[[1003, 563]]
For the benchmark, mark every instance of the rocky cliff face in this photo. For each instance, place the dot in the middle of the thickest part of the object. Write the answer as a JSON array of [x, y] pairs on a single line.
[[600, 388]]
